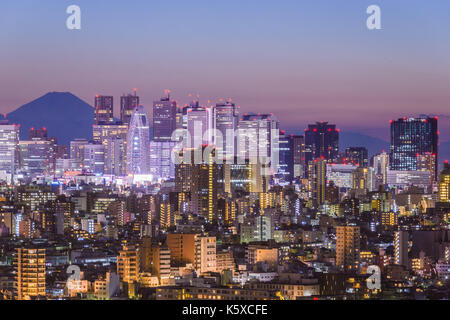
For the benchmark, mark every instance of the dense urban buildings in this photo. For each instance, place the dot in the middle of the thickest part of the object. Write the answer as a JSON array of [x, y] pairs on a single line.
[[258, 213]]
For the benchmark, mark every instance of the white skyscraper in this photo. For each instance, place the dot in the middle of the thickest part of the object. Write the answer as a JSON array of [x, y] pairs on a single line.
[[9, 139], [94, 158], [255, 135], [161, 164], [226, 119], [138, 143], [77, 152], [199, 125]]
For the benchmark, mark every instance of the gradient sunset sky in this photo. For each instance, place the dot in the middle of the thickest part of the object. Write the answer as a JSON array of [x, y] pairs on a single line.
[[305, 61]]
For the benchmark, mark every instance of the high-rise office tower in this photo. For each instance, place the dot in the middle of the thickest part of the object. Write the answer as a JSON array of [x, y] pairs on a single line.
[[364, 179], [285, 170], [161, 164], [201, 180], [381, 166], [104, 109], [401, 248], [127, 105], [77, 152], [410, 138], [166, 213], [94, 158], [226, 122], [318, 179], [138, 143], [298, 154], [36, 134], [348, 248], [204, 189], [115, 156], [322, 141], [9, 141], [245, 176], [30, 273], [199, 125], [427, 162], [444, 184], [114, 139], [255, 135], [35, 157], [164, 118], [357, 156]]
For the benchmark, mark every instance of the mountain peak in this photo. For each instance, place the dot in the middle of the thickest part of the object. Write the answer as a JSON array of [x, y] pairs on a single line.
[[65, 115]]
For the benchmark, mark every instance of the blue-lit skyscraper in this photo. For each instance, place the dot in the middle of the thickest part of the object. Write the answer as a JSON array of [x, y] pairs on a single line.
[[411, 138], [138, 143]]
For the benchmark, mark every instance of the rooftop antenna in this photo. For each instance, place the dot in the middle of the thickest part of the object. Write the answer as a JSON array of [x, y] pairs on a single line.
[[167, 93]]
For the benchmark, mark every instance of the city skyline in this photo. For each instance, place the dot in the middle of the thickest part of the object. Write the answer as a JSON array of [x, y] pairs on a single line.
[[382, 132], [224, 151], [293, 56]]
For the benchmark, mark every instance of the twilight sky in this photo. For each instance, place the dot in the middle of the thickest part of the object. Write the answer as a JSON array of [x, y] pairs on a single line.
[[302, 60]]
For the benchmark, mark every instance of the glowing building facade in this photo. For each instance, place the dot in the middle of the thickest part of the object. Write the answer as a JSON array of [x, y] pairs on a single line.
[[138, 143]]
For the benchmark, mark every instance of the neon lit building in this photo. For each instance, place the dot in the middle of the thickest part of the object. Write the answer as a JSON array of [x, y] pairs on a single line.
[[138, 143]]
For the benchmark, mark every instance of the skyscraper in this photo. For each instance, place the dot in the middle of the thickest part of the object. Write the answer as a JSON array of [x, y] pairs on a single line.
[[226, 120], [357, 156], [161, 164], [127, 105], [298, 154], [410, 138], [94, 158], [381, 165], [77, 152], [164, 118], [255, 136], [322, 141], [200, 179], [348, 248], [114, 139], [244, 176], [35, 157], [285, 169], [199, 125], [444, 184], [318, 179], [138, 143], [9, 140], [104, 109]]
